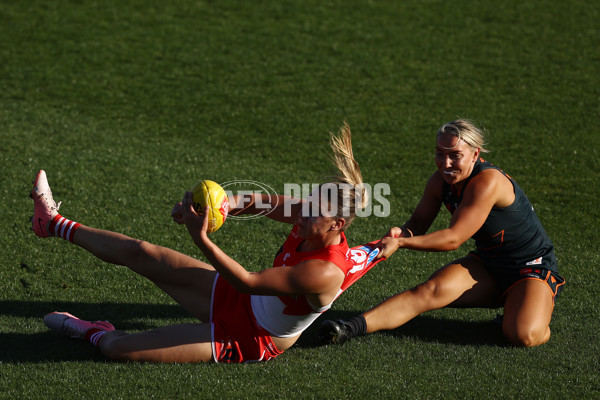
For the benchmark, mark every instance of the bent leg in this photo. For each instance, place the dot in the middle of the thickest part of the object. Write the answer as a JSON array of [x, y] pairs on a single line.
[[463, 283], [187, 280], [172, 344], [527, 313]]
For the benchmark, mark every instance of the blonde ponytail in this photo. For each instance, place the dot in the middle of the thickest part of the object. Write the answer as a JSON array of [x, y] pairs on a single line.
[[351, 191]]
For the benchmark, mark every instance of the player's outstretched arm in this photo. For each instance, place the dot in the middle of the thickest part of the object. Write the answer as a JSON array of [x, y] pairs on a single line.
[[277, 207], [309, 277]]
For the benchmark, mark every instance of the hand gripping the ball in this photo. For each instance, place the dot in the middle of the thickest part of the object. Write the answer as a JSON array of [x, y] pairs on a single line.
[[197, 224], [177, 213]]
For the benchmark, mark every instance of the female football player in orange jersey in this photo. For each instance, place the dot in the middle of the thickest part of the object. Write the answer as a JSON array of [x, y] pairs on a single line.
[[513, 266], [246, 316]]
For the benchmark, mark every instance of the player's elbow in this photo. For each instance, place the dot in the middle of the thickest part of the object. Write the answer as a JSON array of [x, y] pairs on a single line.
[[246, 284], [243, 287], [452, 242], [454, 245]]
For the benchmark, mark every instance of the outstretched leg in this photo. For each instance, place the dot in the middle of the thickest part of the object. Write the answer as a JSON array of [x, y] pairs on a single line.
[[179, 343], [462, 283], [172, 344], [187, 280]]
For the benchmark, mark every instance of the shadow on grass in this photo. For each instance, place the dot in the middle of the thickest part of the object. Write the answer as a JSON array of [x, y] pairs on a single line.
[[45, 346], [424, 328]]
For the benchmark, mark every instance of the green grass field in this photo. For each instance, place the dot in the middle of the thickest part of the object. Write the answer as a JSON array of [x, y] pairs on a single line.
[[127, 103]]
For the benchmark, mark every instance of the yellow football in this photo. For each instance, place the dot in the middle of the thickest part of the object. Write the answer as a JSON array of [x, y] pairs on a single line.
[[212, 194]]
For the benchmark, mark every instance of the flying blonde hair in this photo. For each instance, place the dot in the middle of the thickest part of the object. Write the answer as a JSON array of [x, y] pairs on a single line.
[[351, 192]]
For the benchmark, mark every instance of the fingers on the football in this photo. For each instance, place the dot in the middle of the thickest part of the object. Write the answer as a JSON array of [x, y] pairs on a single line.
[[176, 209], [205, 220], [185, 209], [187, 200]]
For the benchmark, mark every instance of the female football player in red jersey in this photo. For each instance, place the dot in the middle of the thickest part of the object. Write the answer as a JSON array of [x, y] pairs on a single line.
[[246, 316], [513, 266]]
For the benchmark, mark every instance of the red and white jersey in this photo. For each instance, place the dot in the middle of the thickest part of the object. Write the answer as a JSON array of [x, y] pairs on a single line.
[[287, 316]]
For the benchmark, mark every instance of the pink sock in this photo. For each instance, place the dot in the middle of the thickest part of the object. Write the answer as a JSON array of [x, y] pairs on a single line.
[[62, 227]]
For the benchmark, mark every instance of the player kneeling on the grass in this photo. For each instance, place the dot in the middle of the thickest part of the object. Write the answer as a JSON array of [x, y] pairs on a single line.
[[247, 316], [513, 266]]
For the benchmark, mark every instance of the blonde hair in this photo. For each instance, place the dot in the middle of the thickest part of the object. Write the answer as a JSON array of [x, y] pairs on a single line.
[[467, 131], [351, 192]]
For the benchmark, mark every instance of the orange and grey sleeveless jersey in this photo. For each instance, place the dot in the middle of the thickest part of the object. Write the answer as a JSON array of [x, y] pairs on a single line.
[[513, 235]]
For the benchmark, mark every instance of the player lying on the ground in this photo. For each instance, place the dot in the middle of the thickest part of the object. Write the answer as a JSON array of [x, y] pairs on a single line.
[[246, 316], [514, 265]]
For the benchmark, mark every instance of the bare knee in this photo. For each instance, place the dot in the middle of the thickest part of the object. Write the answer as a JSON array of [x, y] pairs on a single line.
[[135, 253], [431, 293], [426, 289], [526, 336], [138, 250], [126, 251]]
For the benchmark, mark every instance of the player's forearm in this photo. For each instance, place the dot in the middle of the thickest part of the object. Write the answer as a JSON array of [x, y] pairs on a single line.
[[226, 266], [277, 207], [443, 240]]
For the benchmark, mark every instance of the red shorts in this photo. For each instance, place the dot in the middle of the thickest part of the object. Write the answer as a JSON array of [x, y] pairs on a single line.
[[236, 336]]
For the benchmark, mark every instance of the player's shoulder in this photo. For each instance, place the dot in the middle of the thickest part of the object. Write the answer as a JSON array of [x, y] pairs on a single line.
[[489, 176], [491, 185], [315, 272]]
